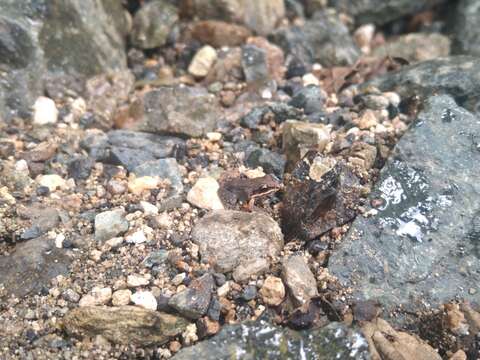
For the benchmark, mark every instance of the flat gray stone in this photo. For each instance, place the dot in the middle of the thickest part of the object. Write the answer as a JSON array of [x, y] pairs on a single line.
[[109, 224], [423, 246]]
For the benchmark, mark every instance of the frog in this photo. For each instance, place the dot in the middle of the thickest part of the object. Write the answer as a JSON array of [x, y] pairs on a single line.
[[245, 191]]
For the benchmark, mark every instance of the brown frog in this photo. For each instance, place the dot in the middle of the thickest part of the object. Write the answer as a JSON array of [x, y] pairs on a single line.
[[244, 191]]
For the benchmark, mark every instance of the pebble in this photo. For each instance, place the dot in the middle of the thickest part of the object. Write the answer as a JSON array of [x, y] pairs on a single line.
[[71, 295], [115, 242], [98, 296], [299, 279], [204, 194], [138, 237], [139, 185], [109, 224], [272, 291], [137, 280], [121, 297], [203, 61], [246, 270], [144, 299], [367, 120], [193, 302], [52, 182], [44, 111]]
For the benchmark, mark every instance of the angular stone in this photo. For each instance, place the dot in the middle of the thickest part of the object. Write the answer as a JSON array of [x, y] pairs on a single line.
[[152, 24], [270, 161], [229, 238], [299, 279], [255, 267], [180, 110], [204, 194], [254, 341], [125, 325], [324, 39], [254, 64], [272, 291], [382, 11], [31, 267], [193, 302], [109, 224], [309, 98], [457, 76], [421, 248]]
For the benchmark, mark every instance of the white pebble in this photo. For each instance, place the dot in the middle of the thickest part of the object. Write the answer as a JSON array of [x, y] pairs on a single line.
[[44, 111], [144, 299]]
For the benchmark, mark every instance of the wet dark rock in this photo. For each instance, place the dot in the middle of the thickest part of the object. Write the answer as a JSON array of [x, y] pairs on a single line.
[[270, 161], [214, 309], [324, 39], [40, 39], [184, 111], [194, 301], [464, 29], [313, 207], [31, 267], [458, 76], [307, 316], [381, 11], [123, 325], [254, 63], [80, 167], [254, 118], [152, 24], [420, 249], [309, 98], [262, 340], [228, 238]]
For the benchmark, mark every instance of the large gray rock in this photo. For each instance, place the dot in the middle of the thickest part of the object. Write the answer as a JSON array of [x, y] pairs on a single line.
[[262, 340], [126, 325], [466, 35], [179, 110], [324, 39], [458, 76], [40, 39], [228, 238], [381, 11], [31, 267], [422, 248]]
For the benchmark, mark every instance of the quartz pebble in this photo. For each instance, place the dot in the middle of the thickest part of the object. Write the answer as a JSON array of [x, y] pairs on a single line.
[[44, 111], [144, 299]]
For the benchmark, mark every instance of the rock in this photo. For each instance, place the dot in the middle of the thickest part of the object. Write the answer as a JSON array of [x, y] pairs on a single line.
[[248, 269], [273, 55], [80, 167], [310, 99], [426, 207], [228, 238], [386, 343], [254, 64], [31, 267], [124, 325], [71, 295], [132, 149], [228, 67], [148, 209], [135, 280], [98, 296], [141, 184], [454, 75], [179, 110], [299, 136], [138, 237], [299, 279], [203, 61], [52, 182], [109, 224], [144, 299], [271, 162], [54, 40], [260, 16], [204, 194], [323, 39], [312, 206], [254, 341], [44, 111], [381, 12], [463, 29], [193, 302], [152, 24], [121, 297], [272, 291], [218, 33], [416, 47]]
